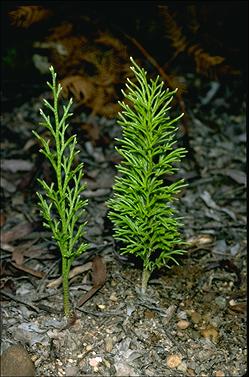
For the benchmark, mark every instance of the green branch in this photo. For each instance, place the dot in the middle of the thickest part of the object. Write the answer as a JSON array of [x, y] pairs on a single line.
[[140, 209], [61, 205]]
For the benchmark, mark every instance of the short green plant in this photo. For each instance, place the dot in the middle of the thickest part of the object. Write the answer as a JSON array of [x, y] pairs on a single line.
[[141, 207], [61, 205]]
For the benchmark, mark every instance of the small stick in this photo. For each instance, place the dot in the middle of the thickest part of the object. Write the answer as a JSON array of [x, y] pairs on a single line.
[[14, 298]]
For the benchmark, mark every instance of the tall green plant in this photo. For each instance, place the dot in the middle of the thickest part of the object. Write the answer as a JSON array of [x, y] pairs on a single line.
[[61, 205], [141, 207]]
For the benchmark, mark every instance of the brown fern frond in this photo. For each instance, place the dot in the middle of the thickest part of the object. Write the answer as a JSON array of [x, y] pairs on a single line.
[[109, 40], [193, 22], [26, 15], [227, 70], [204, 61], [174, 32], [92, 68], [61, 31], [81, 88]]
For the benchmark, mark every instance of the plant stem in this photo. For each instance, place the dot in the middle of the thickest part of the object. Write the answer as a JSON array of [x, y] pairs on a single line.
[[65, 273], [145, 278]]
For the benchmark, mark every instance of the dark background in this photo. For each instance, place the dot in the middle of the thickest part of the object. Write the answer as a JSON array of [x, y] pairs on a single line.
[[223, 31]]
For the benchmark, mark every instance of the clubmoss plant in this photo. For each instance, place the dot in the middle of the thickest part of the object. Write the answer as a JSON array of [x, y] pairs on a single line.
[[141, 207], [61, 204]]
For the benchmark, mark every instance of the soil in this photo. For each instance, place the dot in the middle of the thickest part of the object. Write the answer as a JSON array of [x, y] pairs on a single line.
[[192, 319]]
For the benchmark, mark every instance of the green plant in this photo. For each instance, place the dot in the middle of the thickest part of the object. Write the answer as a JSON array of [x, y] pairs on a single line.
[[141, 207], [61, 206]]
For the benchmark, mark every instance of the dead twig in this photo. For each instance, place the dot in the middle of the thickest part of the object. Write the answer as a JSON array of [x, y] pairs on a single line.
[[16, 299], [38, 274]]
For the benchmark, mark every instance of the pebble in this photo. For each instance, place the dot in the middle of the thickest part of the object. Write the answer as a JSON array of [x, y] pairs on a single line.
[[101, 306], [182, 315], [94, 362], [219, 373], [173, 361], [183, 324], [182, 367], [113, 297], [71, 370], [191, 372], [210, 333], [195, 317], [15, 361], [221, 302]]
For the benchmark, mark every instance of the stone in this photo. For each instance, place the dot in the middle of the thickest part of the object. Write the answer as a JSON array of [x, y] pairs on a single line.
[[15, 361], [210, 333], [173, 361], [183, 324], [196, 317], [71, 370]]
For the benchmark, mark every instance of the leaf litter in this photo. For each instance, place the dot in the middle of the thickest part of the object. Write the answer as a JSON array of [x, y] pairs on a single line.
[[192, 319]]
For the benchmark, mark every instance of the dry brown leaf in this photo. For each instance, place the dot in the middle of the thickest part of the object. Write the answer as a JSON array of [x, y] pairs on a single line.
[[98, 276], [26, 15], [204, 61], [80, 87], [26, 250], [201, 239], [61, 31], [38, 274], [92, 131], [107, 39], [2, 219], [174, 32], [17, 232]]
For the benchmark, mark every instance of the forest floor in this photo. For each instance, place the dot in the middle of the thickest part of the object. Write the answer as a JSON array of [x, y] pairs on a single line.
[[192, 319]]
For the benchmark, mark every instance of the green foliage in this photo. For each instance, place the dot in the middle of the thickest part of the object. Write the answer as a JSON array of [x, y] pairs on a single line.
[[141, 207], [9, 58], [61, 206]]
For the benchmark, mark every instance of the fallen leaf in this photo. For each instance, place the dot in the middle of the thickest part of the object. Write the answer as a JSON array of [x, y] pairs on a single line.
[[239, 308], [38, 274], [201, 239], [92, 131], [17, 232], [98, 276], [15, 361], [237, 175], [6, 185], [148, 314], [23, 250], [2, 219], [206, 197], [13, 165]]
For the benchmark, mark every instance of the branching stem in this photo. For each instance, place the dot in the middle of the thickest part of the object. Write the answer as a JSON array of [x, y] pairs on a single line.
[[62, 206]]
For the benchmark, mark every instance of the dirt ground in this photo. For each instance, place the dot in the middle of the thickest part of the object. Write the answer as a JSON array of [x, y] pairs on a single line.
[[192, 320]]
